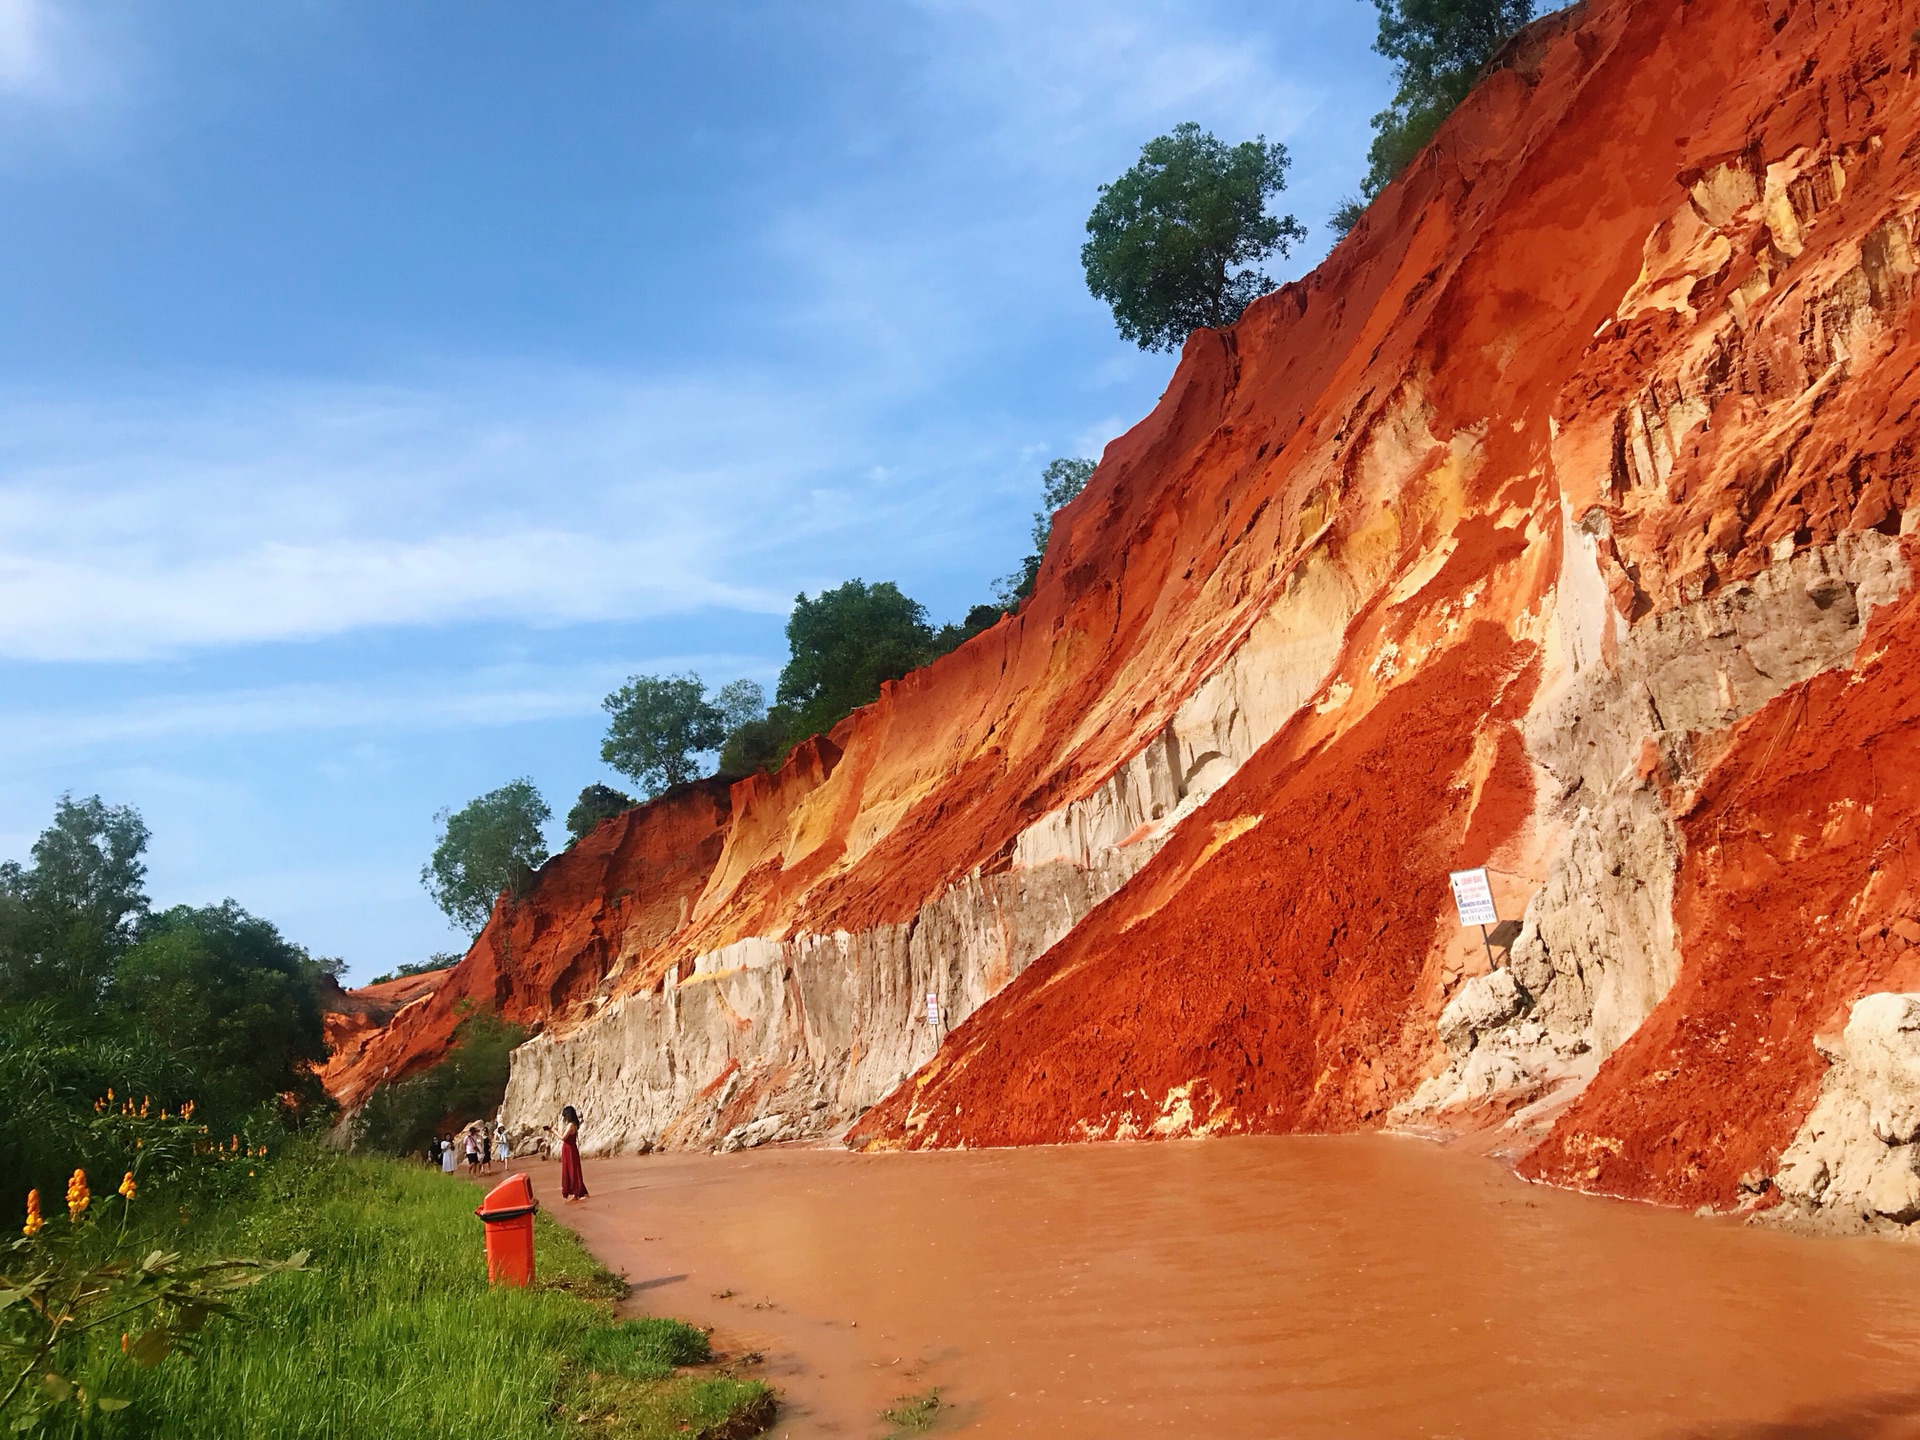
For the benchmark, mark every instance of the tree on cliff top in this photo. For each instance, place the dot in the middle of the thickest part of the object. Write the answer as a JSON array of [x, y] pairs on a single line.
[[843, 644], [662, 724], [1167, 241], [1438, 49], [492, 844], [596, 803], [1060, 482]]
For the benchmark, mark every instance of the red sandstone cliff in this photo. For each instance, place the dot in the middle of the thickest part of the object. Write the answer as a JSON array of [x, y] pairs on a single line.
[[1539, 527]]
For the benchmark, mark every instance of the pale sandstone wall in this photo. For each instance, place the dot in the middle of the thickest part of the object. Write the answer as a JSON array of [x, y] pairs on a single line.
[[777, 1038], [1619, 739]]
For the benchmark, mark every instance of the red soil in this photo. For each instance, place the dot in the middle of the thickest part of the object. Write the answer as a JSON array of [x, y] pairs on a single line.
[[1274, 991], [1801, 857], [608, 903]]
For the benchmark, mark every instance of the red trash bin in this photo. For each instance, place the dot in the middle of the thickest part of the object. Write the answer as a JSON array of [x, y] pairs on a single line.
[[507, 1214]]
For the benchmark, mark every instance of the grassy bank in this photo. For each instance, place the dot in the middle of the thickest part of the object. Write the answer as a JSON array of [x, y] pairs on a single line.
[[391, 1330]]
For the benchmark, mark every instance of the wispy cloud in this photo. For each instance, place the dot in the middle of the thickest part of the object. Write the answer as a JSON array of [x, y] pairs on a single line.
[[155, 524]]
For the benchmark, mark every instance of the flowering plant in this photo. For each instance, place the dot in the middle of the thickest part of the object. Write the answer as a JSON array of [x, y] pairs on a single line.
[[61, 1283]]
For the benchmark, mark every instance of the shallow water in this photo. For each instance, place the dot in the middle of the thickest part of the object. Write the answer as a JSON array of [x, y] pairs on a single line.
[[1362, 1285]]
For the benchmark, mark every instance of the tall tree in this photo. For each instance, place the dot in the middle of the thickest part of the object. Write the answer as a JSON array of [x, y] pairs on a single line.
[[1439, 49], [65, 919], [489, 846], [1060, 482], [843, 644], [658, 725], [232, 998], [1171, 243]]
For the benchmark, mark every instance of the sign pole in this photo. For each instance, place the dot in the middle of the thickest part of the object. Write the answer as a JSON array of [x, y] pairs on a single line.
[[1473, 898]]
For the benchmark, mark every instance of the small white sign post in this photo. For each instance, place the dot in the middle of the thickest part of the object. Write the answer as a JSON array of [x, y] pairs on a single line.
[[1473, 898], [933, 1015]]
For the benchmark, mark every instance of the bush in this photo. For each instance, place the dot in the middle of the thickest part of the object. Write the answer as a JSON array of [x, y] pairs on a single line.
[[469, 1084], [596, 803]]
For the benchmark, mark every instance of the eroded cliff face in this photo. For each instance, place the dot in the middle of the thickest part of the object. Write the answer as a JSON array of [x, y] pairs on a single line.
[[1553, 524]]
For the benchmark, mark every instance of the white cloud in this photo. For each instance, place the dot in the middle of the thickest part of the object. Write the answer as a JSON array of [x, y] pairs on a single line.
[[382, 706], [153, 525]]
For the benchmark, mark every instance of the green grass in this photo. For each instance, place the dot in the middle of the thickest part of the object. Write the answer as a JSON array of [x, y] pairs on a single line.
[[392, 1331], [913, 1413]]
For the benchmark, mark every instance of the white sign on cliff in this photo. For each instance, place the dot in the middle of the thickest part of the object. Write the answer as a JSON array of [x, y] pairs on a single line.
[[933, 1010], [1473, 897]]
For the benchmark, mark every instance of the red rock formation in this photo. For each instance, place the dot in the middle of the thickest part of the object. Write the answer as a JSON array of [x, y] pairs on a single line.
[[607, 903], [1514, 535]]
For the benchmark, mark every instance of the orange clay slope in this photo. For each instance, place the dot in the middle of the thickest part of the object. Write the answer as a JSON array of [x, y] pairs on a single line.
[[1656, 278], [1478, 545]]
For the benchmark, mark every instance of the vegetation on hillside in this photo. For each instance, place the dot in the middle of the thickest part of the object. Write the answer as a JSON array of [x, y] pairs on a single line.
[[488, 847], [1439, 48], [1172, 245], [401, 1117], [596, 803]]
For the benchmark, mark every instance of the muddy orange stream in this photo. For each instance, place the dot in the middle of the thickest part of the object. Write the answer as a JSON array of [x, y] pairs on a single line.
[[1358, 1286]]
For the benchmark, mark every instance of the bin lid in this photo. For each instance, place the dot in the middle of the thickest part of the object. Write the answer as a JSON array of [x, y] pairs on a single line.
[[510, 1199]]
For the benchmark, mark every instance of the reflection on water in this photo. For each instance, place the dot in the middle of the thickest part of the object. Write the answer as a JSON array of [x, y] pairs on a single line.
[[1354, 1286]]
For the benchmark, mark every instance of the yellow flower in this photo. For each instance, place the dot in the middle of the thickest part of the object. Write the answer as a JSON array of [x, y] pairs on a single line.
[[186, 1111], [78, 1197], [127, 1187], [144, 1101], [109, 1092], [34, 1222]]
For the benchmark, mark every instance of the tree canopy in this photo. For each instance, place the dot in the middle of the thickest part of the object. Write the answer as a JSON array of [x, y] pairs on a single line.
[[233, 998], [596, 803], [1059, 482], [65, 919], [209, 1004], [1438, 49], [1172, 242], [843, 643], [662, 724], [490, 845]]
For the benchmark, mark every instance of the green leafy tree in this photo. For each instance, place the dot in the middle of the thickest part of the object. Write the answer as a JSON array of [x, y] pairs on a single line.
[[658, 725], [490, 846], [952, 635], [1171, 243], [596, 803], [1060, 482], [757, 739], [65, 919], [236, 1001], [759, 744], [1439, 49], [740, 702], [843, 644]]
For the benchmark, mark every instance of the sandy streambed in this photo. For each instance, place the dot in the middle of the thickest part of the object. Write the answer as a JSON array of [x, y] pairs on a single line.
[[1295, 1286]]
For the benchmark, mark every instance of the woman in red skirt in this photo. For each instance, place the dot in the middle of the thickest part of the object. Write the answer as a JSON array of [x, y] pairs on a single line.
[[572, 1185]]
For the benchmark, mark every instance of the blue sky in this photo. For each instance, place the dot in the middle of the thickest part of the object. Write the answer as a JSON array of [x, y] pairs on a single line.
[[382, 384]]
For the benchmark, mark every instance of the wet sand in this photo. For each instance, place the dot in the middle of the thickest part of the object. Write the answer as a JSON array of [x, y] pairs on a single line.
[[1354, 1286]]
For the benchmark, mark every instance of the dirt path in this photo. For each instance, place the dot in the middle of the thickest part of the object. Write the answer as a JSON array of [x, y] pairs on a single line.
[[1364, 1286]]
